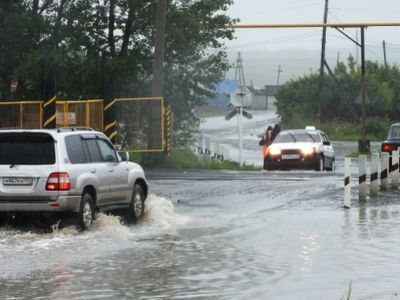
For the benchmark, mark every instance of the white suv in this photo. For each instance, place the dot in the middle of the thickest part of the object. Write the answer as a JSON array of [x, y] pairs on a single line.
[[67, 170]]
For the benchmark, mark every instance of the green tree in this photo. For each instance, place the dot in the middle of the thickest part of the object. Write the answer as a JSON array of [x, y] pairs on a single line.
[[298, 100], [84, 43]]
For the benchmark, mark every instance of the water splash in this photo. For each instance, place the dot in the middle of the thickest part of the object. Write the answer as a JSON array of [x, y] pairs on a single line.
[[161, 212]]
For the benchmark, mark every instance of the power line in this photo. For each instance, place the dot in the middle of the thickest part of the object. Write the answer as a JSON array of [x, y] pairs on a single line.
[[278, 40], [288, 8]]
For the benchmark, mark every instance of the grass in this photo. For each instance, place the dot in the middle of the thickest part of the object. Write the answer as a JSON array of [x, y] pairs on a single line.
[[186, 159], [229, 165], [345, 131], [376, 129]]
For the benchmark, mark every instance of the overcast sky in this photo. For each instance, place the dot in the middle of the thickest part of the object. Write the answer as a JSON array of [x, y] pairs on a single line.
[[264, 49]]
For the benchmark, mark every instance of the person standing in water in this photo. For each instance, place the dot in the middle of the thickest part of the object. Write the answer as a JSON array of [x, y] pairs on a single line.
[[265, 141]]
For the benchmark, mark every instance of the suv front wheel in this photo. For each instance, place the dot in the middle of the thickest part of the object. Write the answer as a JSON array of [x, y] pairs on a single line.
[[86, 213], [136, 206]]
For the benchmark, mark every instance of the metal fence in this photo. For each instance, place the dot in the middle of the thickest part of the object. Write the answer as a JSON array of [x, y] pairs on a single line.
[[86, 113], [140, 124], [22, 114]]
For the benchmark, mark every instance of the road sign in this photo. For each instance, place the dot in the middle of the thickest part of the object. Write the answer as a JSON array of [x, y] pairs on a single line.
[[235, 111], [71, 119], [241, 96]]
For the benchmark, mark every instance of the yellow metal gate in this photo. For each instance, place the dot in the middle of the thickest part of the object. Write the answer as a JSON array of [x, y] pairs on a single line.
[[142, 124], [81, 113]]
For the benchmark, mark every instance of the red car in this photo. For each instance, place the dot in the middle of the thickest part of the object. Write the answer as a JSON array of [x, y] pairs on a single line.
[[392, 142]]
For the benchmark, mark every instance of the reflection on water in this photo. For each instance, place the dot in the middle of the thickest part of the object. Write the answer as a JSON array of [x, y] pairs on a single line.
[[255, 253]]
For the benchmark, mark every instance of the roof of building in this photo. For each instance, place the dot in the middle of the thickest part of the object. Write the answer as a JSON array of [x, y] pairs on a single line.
[[226, 86]]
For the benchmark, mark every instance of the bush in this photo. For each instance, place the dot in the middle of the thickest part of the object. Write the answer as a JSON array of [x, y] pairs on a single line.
[[184, 159], [378, 127]]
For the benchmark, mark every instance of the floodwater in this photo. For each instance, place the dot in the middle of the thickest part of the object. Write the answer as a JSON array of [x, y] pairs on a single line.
[[257, 236], [220, 235]]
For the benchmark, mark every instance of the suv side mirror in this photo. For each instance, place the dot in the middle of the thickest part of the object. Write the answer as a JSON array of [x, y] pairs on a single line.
[[124, 155], [327, 143]]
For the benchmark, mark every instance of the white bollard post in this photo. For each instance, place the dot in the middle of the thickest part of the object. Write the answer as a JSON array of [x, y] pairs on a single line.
[[226, 153], [216, 150], [347, 187], [395, 169], [221, 152], [207, 149], [362, 177], [374, 174], [200, 143], [240, 125], [384, 170]]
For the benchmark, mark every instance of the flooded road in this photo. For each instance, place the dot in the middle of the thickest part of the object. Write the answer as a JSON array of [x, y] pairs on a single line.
[[278, 235], [220, 235]]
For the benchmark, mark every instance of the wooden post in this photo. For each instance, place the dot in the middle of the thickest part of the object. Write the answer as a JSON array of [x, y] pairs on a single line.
[[347, 187]]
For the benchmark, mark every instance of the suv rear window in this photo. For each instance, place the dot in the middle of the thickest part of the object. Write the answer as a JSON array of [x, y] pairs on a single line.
[[26, 148]]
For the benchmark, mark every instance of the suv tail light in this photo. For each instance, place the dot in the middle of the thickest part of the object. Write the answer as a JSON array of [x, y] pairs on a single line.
[[58, 181]]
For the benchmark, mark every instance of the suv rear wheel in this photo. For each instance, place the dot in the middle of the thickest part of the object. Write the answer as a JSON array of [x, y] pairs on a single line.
[[86, 213], [136, 206]]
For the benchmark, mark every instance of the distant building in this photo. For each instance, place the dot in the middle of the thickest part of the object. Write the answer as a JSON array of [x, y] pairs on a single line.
[[222, 93], [259, 98], [271, 91], [263, 99]]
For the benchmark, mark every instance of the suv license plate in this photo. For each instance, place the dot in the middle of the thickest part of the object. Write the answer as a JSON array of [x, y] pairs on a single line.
[[290, 156], [17, 180]]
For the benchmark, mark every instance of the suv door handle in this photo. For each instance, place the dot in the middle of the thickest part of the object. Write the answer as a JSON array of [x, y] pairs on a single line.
[[92, 170]]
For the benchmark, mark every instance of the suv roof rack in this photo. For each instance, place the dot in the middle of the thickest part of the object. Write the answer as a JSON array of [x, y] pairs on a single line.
[[77, 128]]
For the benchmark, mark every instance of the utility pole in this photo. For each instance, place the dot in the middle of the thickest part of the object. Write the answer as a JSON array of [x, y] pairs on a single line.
[[384, 53], [159, 49], [157, 89], [321, 69], [357, 58], [239, 72], [279, 74], [239, 75], [364, 145]]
